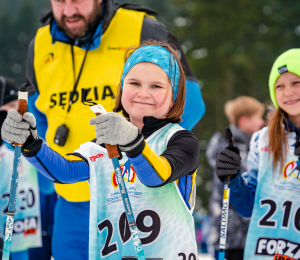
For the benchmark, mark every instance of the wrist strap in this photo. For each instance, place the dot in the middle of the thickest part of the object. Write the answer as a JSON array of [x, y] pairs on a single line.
[[31, 149], [133, 144]]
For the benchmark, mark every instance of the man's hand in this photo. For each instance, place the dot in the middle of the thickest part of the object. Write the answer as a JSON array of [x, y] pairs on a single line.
[[228, 163], [15, 130], [114, 129]]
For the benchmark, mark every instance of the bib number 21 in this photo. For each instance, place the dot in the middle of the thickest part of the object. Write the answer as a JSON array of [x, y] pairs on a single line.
[[267, 221]]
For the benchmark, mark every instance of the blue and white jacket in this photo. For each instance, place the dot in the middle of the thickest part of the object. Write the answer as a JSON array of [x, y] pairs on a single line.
[[272, 198]]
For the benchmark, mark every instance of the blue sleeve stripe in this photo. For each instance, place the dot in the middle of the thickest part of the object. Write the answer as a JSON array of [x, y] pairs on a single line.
[[185, 188], [56, 168], [145, 172], [45, 169], [194, 106]]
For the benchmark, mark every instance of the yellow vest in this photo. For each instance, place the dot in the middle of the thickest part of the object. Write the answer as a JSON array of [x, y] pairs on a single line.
[[101, 74]]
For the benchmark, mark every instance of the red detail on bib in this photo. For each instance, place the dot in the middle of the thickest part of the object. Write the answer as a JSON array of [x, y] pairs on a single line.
[[93, 158], [282, 257], [31, 231]]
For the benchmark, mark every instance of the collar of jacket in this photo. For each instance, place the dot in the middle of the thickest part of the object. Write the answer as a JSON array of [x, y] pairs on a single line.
[[289, 125], [152, 124], [83, 43]]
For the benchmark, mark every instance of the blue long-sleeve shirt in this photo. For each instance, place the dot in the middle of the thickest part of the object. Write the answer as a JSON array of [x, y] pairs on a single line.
[[178, 162]]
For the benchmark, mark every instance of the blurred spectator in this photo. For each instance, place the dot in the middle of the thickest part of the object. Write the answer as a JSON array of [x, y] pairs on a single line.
[[202, 230], [245, 117]]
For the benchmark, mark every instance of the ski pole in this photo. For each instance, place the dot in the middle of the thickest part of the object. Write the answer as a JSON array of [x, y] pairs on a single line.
[[113, 154], [297, 145], [22, 108], [225, 208]]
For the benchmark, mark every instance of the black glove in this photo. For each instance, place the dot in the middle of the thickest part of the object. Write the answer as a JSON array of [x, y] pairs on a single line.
[[228, 163]]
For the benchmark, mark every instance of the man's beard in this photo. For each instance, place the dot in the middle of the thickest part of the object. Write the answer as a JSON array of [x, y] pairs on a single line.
[[89, 24]]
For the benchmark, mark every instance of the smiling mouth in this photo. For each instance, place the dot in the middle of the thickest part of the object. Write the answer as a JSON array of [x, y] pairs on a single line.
[[291, 102], [141, 103]]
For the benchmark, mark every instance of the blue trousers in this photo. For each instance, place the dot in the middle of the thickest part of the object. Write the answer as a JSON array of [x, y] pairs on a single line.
[[70, 238]]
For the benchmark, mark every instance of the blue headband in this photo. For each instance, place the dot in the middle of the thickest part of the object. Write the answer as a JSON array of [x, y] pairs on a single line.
[[159, 56]]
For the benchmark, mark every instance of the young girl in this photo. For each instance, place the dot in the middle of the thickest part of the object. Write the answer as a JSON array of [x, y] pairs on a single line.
[[269, 191], [159, 161]]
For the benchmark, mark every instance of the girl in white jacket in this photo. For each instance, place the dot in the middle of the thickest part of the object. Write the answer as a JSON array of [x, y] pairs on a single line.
[[269, 191]]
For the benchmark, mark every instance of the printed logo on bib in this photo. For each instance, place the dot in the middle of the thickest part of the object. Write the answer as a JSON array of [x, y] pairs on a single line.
[[50, 58], [290, 170], [117, 48], [27, 226], [128, 174], [272, 246], [61, 99], [93, 158]]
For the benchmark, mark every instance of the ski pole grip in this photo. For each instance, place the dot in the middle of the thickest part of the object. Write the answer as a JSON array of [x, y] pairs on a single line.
[[229, 136], [22, 103], [230, 145], [22, 106], [112, 150]]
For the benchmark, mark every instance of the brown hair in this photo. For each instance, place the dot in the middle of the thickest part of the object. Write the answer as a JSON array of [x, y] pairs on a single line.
[[277, 135], [176, 111], [242, 106]]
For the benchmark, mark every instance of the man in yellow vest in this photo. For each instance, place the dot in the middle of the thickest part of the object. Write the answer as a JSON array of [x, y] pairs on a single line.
[[83, 46]]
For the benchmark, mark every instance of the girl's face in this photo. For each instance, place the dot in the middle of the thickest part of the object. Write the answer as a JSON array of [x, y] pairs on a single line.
[[147, 91], [287, 91]]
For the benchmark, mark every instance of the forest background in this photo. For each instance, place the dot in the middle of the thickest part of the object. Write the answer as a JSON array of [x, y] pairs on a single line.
[[230, 46]]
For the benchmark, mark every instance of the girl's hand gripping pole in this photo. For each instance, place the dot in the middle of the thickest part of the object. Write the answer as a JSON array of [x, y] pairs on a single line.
[[22, 108], [113, 154], [225, 208]]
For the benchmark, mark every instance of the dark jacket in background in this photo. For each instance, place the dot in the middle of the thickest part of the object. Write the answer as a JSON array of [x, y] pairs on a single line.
[[237, 226]]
